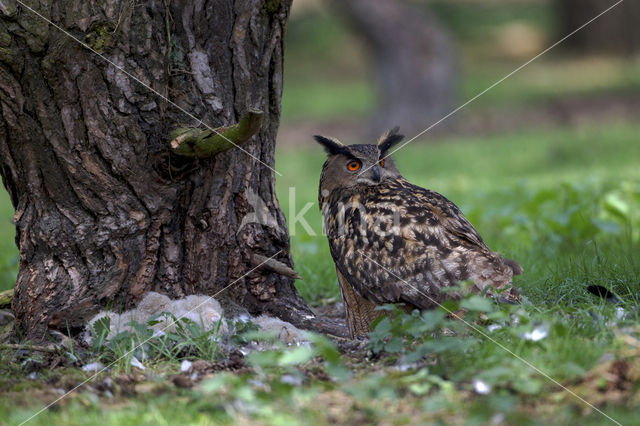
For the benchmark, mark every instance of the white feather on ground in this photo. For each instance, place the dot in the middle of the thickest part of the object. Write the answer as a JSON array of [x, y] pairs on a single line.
[[286, 332], [203, 310]]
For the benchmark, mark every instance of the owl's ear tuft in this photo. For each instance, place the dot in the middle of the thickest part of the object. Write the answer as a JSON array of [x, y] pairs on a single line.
[[389, 139], [331, 146]]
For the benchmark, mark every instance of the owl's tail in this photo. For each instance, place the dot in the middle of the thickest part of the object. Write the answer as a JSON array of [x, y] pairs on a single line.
[[515, 266], [511, 295]]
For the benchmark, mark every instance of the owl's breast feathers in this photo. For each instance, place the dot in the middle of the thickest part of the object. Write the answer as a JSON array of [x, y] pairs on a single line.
[[397, 242]]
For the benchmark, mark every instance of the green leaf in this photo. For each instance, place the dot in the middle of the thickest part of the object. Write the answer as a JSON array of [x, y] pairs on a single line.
[[433, 318], [325, 347], [383, 327], [607, 227], [560, 330], [387, 307], [420, 388], [394, 345], [218, 382], [478, 304], [527, 385], [338, 371], [449, 305], [299, 355], [246, 393], [444, 345], [102, 326], [263, 358], [617, 206]]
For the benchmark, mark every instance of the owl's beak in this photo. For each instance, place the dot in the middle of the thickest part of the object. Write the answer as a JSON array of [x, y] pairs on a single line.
[[375, 171]]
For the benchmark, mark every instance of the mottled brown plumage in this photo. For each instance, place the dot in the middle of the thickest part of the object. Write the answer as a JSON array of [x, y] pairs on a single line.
[[393, 241]]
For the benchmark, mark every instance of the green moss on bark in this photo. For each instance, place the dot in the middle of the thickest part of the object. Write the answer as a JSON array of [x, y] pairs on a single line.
[[202, 143]]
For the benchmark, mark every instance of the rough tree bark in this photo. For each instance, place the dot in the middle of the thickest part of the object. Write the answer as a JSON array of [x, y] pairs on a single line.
[[105, 211], [413, 61]]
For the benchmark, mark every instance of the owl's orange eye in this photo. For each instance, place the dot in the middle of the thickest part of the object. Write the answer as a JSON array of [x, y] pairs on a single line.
[[382, 163], [353, 165]]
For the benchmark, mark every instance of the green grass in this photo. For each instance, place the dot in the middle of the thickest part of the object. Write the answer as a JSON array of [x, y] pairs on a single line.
[[325, 71], [168, 409], [551, 78], [8, 249], [495, 180], [319, 99], [564, 203]]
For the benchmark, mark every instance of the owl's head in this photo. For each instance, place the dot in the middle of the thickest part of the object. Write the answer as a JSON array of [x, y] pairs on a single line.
[[360, 164]]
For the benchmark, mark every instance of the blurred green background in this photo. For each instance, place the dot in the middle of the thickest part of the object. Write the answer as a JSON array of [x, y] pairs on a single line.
[[328, 68], [8, 250], [545, 164]]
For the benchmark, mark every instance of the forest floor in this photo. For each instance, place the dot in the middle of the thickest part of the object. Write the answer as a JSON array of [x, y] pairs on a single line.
[[564, 202]]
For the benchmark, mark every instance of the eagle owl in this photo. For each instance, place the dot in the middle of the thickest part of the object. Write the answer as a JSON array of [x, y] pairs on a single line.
[[395, 242]]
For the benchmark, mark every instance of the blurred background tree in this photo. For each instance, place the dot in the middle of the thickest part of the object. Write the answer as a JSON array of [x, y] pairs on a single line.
[[560, 136], [412, 58], [354, 67], [619, 33]]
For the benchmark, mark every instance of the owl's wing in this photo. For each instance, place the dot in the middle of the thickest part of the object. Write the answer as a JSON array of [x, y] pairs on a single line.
[[447, 215], [454, 222], [435, 248], [411, 274]]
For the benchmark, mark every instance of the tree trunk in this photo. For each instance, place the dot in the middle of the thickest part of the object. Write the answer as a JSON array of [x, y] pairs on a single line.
[[615, 32], [104, 210], [413, 60]]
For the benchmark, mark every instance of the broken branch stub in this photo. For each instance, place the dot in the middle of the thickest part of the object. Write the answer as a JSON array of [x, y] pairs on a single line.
[[274, 266], [5, 298], [203, 143]]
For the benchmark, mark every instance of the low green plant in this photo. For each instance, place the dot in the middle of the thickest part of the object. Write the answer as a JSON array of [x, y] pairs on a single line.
[[185, 339], [494, 343], [567, 215], [286, 359]]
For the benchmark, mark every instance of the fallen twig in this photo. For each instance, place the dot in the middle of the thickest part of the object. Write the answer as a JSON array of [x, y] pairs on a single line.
[[274, 266], [33, 348]]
